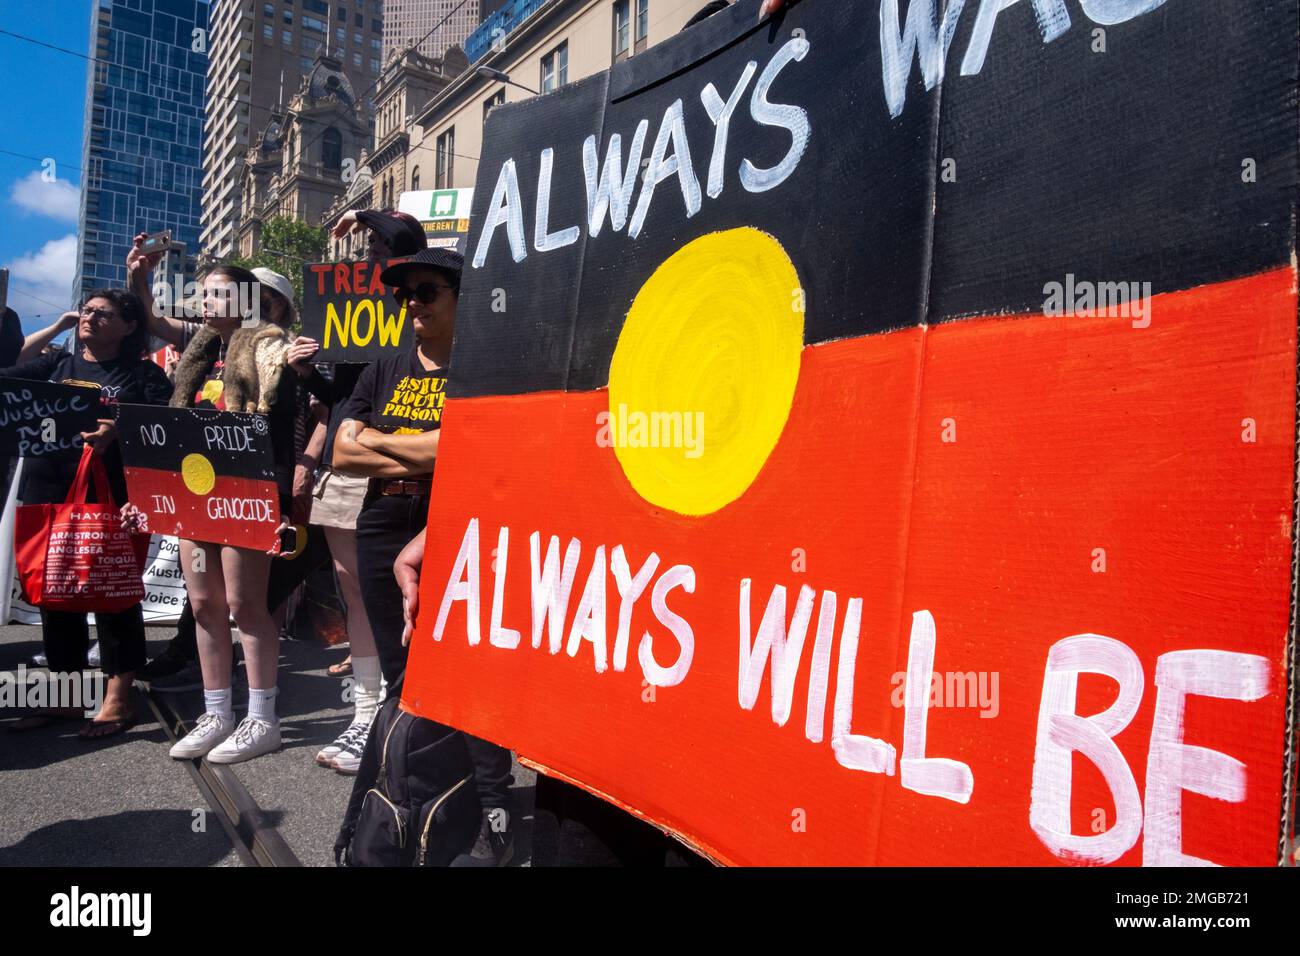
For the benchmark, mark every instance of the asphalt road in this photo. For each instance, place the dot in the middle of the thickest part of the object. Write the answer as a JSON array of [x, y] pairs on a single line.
[[122, 801], [112, 802]]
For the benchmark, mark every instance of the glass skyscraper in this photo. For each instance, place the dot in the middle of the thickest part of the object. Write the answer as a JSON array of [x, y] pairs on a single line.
[[141, 156]]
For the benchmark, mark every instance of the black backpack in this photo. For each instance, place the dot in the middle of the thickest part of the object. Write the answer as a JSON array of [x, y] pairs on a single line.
[[414, 802]]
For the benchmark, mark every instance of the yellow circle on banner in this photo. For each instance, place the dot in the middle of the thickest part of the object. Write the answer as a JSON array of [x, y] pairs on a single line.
[[197, 473], [705, 369]]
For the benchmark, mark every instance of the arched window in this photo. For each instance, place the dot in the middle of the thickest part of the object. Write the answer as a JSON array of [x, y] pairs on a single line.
[[332, 150], [415, 179]]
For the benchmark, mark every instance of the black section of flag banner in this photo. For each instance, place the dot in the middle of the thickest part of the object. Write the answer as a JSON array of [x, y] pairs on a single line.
[[1141, 151], [235, 444], [27, 406], [1156, 161]]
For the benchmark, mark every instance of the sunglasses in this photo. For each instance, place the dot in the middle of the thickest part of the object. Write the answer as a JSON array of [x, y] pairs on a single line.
[[426, 292]]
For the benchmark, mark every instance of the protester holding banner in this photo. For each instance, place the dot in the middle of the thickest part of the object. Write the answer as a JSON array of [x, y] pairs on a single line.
[[109, 354], [221, 580], [390, 432], [176, 669]]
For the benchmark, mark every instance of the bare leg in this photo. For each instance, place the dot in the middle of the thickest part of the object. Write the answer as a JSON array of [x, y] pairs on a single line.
[[205, 582], [343, 546], [117, 698], [247, 573]]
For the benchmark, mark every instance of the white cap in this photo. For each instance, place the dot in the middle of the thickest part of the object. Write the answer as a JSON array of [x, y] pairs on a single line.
[[280, 284]]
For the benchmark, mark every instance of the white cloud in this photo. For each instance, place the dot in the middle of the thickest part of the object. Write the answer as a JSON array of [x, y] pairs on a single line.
[[40, 282], [56, 199]]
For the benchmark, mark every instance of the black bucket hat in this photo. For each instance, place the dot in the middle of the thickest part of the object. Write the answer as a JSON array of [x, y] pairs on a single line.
[[445, 260]]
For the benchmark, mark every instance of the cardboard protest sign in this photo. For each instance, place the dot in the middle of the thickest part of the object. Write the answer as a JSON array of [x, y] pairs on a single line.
[[351, 313], [44, 419], [200, 474], [885, 454], [444, 214]]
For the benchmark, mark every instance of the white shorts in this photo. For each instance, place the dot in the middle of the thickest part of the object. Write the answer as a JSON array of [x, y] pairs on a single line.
[[337, 498]]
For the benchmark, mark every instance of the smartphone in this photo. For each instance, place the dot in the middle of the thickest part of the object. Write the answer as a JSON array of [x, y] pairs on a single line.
[[292, 541], [156, 242]]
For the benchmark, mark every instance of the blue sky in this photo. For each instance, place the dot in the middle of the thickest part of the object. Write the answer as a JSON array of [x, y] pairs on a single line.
[[40, 115]]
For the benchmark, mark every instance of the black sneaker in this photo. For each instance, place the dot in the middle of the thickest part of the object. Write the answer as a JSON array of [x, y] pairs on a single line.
[[165, 664], [495, 844]]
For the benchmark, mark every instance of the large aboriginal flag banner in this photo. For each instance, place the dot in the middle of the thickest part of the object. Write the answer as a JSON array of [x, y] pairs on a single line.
[[201, 474], [886, 450]]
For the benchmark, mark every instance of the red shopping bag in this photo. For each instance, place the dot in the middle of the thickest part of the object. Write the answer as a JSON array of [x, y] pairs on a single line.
[[75, 556]]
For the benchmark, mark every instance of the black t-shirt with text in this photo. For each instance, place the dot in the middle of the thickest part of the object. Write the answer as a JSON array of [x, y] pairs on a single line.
[[399, 396]]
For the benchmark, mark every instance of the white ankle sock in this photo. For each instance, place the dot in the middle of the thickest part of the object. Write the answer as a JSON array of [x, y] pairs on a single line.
[[366, 688], [218, 702], [261, 704]]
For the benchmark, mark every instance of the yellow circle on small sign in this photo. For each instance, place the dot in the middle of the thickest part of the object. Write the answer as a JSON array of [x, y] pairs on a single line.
[[705, 369], [197, 473]]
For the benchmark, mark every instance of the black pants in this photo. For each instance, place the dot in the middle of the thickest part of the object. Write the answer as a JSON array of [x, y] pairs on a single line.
[[285, 578], [387, 524], [66, 636]]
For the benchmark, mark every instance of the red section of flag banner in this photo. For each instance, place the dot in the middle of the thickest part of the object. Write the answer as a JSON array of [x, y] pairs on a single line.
[[241, 512], [1010, 486]]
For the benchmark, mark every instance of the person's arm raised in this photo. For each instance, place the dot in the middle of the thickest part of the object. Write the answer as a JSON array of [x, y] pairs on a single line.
[[347, 223], [35, 343], [138, 269]]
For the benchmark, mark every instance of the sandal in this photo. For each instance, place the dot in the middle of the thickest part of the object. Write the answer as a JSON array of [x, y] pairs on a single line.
[[341, 669], [95, 729]]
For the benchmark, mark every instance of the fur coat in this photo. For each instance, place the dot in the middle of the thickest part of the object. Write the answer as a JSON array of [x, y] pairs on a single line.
[[255, 360]]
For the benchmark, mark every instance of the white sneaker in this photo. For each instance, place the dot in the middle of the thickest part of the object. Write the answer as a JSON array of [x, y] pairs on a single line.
[[251, 738], [210, 730]]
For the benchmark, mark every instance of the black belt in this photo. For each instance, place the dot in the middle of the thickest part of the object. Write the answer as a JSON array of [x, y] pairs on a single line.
[[410, 488]]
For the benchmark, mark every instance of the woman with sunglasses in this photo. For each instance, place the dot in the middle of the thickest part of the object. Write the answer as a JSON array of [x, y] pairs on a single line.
[[108, 353], [389, 433]]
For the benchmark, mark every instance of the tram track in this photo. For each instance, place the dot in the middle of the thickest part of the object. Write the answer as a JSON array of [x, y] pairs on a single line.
[[255, 839]]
